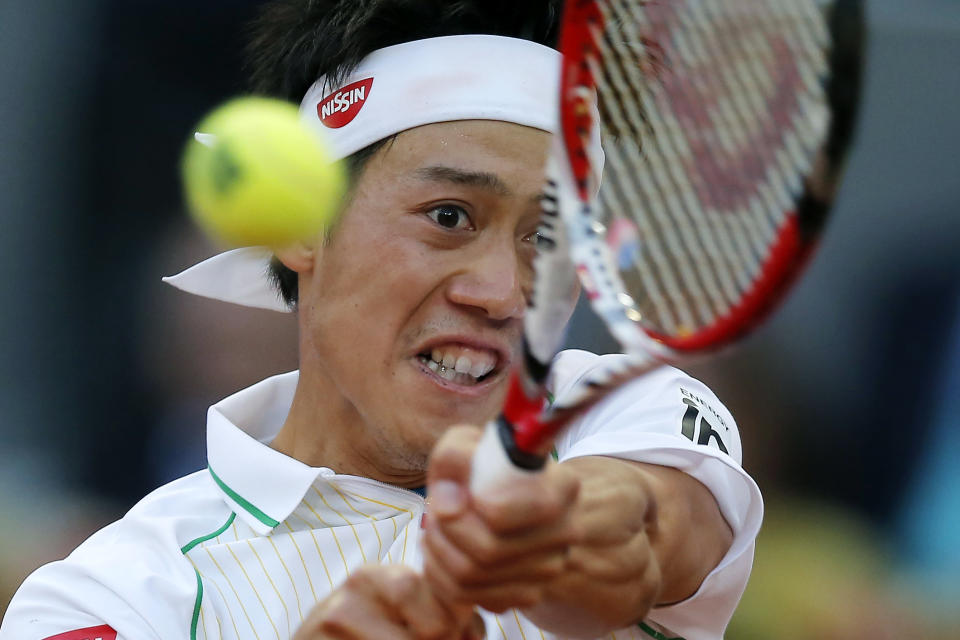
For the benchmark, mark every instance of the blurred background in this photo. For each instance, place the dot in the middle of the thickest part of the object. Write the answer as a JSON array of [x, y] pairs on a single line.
[[848, 402]]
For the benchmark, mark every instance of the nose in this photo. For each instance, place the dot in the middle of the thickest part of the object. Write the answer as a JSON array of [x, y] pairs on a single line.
[[494, 281]]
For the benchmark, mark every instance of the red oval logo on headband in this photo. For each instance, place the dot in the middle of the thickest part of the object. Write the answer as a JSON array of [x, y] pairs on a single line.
[[343, 105]]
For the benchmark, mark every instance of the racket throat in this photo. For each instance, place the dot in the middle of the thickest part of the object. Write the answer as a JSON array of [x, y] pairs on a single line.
[[526, 437], [522, 459]]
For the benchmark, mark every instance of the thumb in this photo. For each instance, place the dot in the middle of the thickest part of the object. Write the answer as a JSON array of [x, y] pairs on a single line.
[[448, 471]]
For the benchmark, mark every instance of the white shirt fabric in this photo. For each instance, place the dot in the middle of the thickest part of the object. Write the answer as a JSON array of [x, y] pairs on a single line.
[[245, 548]]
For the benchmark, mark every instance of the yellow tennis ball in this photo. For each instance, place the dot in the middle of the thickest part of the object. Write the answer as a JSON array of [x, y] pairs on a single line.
[[256, 174]]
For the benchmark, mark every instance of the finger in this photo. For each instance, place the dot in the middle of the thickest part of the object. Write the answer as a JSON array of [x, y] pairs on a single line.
[[349, 616], [636, 509], [448, 471], [404, 597], [496, 598], [410, 598], [534, 566], [471, 535], [529, 502]]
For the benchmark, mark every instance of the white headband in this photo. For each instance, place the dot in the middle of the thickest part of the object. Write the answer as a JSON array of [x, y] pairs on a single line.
[[467, 77]]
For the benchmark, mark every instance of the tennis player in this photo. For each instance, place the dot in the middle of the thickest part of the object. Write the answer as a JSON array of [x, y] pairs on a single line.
[[335, 503]]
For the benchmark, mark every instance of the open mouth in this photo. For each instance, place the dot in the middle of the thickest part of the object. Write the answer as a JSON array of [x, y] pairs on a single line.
[[460, 364]]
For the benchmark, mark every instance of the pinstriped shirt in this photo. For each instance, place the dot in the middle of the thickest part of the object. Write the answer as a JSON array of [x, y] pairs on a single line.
[[245, 548]]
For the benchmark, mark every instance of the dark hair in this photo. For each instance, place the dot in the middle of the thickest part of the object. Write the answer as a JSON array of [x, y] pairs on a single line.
[[292, 43]]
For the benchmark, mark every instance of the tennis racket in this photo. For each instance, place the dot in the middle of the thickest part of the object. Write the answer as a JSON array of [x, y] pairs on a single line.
[[725, 124]]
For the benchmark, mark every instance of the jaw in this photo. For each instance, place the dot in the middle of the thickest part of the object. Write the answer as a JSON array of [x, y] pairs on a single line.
[[383, 425]]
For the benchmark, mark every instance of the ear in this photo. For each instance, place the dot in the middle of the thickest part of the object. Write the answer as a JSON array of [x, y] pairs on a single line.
[[298, 257]]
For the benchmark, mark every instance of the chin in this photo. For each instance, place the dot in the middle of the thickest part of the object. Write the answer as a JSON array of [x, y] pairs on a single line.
[[420, 442]]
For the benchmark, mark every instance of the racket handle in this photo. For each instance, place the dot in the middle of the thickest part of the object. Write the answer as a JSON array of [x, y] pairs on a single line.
[[493, 465]]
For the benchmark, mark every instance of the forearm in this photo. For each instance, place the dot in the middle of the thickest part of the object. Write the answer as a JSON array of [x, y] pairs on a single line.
[[651, 535], [691, 537]]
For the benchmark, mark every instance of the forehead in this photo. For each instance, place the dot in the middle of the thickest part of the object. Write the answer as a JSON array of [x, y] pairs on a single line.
[[513, 152]]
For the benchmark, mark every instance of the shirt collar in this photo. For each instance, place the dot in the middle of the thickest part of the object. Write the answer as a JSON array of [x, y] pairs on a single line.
[[262, 485]]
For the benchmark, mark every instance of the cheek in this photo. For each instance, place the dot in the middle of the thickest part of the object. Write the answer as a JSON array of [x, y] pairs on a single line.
[[369, 291]]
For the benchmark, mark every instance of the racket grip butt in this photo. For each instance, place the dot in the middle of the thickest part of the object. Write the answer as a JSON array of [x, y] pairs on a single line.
[[492, 463]]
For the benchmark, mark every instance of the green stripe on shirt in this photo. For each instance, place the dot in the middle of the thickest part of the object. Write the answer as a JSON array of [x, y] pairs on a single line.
[[196, 607], [243, 502], [653, 633]]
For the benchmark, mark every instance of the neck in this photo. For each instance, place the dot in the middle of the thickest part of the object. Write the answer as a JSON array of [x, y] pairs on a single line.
[[325, 430]]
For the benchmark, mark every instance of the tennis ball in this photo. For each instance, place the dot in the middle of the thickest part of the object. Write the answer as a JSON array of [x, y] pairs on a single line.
[[258, 175]]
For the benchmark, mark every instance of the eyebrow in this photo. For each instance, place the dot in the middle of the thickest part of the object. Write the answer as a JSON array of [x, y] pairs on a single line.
[[482, 179]]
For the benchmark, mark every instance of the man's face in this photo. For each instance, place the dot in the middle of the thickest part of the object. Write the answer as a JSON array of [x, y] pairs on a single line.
[[411, 314]]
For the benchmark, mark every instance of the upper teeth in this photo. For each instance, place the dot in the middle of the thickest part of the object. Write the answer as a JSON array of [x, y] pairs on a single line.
[[465, 360]]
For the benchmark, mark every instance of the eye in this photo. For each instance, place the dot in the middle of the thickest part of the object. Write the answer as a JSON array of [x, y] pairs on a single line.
[[451, 216], [539, 240]]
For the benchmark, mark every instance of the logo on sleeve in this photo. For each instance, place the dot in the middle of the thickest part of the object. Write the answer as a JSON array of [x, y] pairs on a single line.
[[696, 427], [342, 106], [103, 632]]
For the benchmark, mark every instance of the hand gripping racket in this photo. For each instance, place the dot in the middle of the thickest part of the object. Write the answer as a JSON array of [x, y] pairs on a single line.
[[725, 124]]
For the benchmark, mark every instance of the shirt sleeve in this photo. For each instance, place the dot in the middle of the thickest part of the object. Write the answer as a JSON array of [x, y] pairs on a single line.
[[107, 589], [668, 418]]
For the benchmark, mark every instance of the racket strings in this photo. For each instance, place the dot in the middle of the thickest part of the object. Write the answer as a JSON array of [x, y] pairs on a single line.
[[717, 175], [728, 257], [750, 65], [717, 245], [712, 181], [658, 277], [747, 50], [622, 89], [734, 117], [674, 241]]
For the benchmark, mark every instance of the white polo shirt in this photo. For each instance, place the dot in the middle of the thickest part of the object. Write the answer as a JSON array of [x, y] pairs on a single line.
[[246, 547]]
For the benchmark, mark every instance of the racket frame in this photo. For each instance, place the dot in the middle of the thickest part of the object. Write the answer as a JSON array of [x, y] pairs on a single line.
[[518, 442]]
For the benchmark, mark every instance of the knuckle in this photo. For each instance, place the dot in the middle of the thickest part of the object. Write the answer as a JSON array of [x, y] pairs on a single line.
[[455, 593], [486, 551], [466, 574], [557, 502], [404, 584], [457, 566], [570, 483], [460, 569], [439, 583], [574, 533], [493, 511], [554, 566], [508, 516], [360, 578], [463, 571], [338, 616], [578, 560]]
